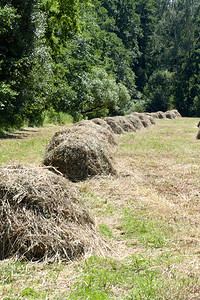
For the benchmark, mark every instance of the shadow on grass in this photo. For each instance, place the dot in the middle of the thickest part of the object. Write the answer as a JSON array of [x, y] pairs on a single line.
[[22, 133]]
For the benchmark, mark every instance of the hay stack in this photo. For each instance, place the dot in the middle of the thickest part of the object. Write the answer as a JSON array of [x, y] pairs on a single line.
[[125, 123], [172, 114], [135, 121], [42, 217], [198, 135], [114, 124], [81, 152], [102, 123]]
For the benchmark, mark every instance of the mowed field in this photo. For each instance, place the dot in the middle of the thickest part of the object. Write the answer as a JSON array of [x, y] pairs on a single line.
[[149, 215]]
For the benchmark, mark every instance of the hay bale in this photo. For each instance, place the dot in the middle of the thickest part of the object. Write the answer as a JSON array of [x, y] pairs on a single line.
[[114, 124], [42, 217], [80, 156], [125, 124], [91, 128], [135, 121], [161, 115], [144, 119], [172, 114], [198, 135], [102, 123], [82, 128], [151, 119], [154, 115]]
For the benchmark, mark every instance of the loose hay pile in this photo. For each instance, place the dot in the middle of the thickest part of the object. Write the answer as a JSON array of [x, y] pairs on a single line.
[[81, 152], [42, 217]]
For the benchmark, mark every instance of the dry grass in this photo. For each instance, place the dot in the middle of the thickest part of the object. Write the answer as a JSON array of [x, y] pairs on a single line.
[[42, 217]]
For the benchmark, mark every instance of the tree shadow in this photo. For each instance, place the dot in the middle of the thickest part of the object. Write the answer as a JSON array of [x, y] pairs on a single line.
[[22, 133]]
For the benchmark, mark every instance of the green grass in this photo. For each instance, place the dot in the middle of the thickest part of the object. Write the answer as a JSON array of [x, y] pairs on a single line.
[[150, 233], [27, 146]]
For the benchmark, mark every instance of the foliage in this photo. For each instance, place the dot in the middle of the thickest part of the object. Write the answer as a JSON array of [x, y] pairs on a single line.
[[52, 53]]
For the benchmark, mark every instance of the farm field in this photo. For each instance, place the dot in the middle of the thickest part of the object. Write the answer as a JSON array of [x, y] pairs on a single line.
[[148, 213]]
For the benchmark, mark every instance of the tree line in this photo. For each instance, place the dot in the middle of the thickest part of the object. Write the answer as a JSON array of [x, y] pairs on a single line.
[[96, 58]]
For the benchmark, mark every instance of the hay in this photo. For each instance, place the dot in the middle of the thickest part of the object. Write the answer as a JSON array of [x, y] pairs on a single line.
[[102, 123], [198, 135], [135, 121], [151, 119], [42, 217], [80, 155], [144, 119], [125, 124], [161, 115], [172, 114], [114, 124]]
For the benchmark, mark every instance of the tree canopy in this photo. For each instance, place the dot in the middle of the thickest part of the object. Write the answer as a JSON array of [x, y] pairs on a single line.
[[98, 57]]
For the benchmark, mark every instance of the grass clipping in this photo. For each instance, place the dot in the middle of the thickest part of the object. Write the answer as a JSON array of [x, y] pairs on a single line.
[[42, 217]]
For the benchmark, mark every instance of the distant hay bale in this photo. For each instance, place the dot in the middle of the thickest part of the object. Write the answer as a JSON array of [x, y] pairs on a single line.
[[125, 124], [102, 123], [198, 135], [114, 124], [172, 114], [135, 121], [42, 217], [161, 115], [198, 125], [144, 119], [80, 155], [154, 115], [151, 119]]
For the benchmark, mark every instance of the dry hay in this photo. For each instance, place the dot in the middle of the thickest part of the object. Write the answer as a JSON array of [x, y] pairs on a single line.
[[135, 121], [151, 119], [172, 114], [114, 124], [80, 154], [102, 123], [125, 123], [198, 135], [161, 115], [82, 128], [91, 128], [144, 119], [42, 217]]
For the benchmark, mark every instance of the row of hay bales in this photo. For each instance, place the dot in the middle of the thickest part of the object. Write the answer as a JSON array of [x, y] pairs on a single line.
[[42, 216], [84, 150]]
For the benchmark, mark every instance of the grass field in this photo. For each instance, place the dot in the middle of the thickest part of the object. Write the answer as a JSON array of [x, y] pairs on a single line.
[[149, 213]]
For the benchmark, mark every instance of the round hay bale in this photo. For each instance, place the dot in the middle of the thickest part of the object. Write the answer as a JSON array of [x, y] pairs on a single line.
[[135, 121], [125, 123], [80, 156], [114, 124], [42, 217]]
